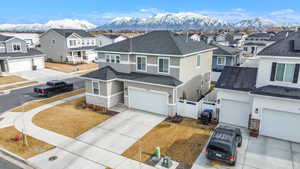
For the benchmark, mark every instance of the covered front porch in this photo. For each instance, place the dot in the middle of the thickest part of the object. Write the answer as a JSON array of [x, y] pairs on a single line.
[[77, 56]]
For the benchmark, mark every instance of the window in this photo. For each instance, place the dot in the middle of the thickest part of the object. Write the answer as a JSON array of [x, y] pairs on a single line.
[[2, 46], [96, 88], [163, 65], [107, 58], [141, 62], [285, 72], [53, 41], [112, 58], [245, 49], [92, 42], [16, 47], [82, 42], [88, 42], [198, 61], [118, 59], [72, 42], [221, 60]]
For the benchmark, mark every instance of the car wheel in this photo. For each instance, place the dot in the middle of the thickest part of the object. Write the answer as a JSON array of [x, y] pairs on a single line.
[[233, 163]]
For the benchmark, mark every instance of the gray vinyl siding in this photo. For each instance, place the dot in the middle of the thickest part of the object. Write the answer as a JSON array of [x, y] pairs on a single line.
[[9, 45], [230, 61], [2, 48], [89, 87], [58, 51]]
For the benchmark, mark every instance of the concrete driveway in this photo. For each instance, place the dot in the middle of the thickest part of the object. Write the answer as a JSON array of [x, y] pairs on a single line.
[[43, 75], [260, 153], [115, 135]]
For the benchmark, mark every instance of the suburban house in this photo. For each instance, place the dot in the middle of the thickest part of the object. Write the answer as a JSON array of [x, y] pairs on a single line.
[[217, 38], [15, 56], [267, 98], [68, 46], [236, 39], [32, 39], [256, 42], [150, 72], [107, 39], [225, 56]]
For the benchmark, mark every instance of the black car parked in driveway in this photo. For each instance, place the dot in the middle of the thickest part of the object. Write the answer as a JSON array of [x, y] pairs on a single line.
[[223, 144], [53, 87]]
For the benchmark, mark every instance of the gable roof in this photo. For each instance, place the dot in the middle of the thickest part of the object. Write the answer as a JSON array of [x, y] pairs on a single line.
[[278, 91], [225, 50], [283, 47], [5, 38], [67, 32], [108, 73], [237, 78], [30, 53], [260, 35], [157, 42]]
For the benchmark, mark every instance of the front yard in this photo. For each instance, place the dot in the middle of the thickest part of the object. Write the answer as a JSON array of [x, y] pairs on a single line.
[[68, 119], [70, 68], [18, 86], [183, 142], [8, 142], [10, 79]]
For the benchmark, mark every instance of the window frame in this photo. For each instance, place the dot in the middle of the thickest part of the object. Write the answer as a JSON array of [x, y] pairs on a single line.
[[18, 44], [165, 58], [221, 57], [198, 58], [93, 87], [140, 70], [284, 73]]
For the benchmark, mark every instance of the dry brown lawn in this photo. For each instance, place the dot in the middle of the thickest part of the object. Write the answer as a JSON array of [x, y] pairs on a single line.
[[69, 68], [10, 79], [18, 85], [182, 142], [69, 120], [36, 104], [35, 146]]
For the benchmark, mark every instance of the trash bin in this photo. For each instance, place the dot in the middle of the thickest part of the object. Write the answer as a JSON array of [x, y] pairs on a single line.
[[206, 116]]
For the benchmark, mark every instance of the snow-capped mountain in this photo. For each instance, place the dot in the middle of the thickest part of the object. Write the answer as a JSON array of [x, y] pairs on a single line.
[[65, 23], [256, 23], [168, 21]]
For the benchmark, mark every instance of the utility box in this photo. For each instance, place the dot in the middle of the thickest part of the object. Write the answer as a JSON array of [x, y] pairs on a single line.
[[167, 162]]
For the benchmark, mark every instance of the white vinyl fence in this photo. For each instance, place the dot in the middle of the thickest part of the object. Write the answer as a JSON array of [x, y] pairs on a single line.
[[191, 109]]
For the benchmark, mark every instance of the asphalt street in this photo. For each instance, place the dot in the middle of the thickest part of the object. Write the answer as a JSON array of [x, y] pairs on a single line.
[[20, 96]]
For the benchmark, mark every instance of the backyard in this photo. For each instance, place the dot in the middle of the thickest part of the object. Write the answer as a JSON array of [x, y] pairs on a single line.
[[67, 68]]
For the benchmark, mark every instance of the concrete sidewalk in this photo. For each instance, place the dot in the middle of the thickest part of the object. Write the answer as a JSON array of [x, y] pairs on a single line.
[[84, 152]]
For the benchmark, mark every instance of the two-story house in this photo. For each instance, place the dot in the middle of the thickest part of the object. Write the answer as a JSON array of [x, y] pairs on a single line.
[[107, 39], [15, 56], [266, 98], [150, 72], [69, 46], [256, 42]]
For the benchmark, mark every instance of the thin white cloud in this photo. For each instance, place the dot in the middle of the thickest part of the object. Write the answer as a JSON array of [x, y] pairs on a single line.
[[286, 16], [233, 15]]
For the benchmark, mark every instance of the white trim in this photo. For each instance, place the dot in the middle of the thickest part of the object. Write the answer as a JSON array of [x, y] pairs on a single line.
[[198, 58], [284, 73], [94, 81], [136, 65], [279, 57], [168, 58], [221, 57]]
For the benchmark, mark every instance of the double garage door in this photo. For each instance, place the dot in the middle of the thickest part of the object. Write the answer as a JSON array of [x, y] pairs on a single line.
[[148, 100], [235, 112], [279, 124]]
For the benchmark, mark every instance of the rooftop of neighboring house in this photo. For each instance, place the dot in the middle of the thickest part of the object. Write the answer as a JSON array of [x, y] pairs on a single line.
[[237, 78], [290, 46], [260, 35], [67, 32], [158, 42], [108, 73], [278, 91], [14, 55], [254, 44], [225, 50], [111, 36], [5, 38]]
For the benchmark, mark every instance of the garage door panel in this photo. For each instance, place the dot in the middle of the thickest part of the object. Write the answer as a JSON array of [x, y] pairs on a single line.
[[148, 101], [39, 62], [20, 65], [235, 112], [282, 125]]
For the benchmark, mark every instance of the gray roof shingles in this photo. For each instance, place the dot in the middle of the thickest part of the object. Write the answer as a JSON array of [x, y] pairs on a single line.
[[282, 47], [5, 38], [225, 50], [237, 78], [157, 42], [29, 53], [67, 32], [278, 91], [108, 73]]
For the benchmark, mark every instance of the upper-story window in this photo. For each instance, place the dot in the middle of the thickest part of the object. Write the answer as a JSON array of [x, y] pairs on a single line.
[[221, 60], [2, 45], [92, 42], [141, 63], [285, 72], [111, 58], [96, 88], [198, 60], [72, 42], [16, 47], [83, 42], [88, 42], [163, 65]]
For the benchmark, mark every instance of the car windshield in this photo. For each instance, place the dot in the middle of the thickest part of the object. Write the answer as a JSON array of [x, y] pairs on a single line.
[[219, 148]]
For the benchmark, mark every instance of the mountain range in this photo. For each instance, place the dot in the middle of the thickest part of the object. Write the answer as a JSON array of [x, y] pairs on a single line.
[[170, 21]]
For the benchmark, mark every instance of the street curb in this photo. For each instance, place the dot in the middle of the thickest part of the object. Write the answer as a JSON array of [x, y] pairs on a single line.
[[17, 158]]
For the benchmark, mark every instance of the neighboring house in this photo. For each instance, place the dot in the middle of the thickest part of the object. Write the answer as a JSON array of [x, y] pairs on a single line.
[[195, 37], [68, 46], [107, 39], [266, 98], [15, 56], [225, 56], [236, 39], [217, 38], [256, 42], [32, 39], [150, 72]]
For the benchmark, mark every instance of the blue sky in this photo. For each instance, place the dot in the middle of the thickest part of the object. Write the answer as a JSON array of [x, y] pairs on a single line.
[[99, 11]]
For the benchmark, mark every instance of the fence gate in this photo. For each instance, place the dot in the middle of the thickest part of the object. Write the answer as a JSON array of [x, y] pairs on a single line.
[[187, 109]]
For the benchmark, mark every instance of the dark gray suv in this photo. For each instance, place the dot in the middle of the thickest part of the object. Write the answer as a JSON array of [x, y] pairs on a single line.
[[223, 144]]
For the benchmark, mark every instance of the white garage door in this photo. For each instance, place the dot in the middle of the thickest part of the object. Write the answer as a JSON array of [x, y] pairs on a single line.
[[20, 65], [234, 112], [150, 101], [39, 62], [282, 125]]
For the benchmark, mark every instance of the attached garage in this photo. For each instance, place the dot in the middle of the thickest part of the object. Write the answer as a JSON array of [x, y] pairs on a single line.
[[19, 65], [148, 100], [280, 124], [235, 112]]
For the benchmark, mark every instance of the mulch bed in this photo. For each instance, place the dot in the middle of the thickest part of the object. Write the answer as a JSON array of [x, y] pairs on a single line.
[[96, 108]]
